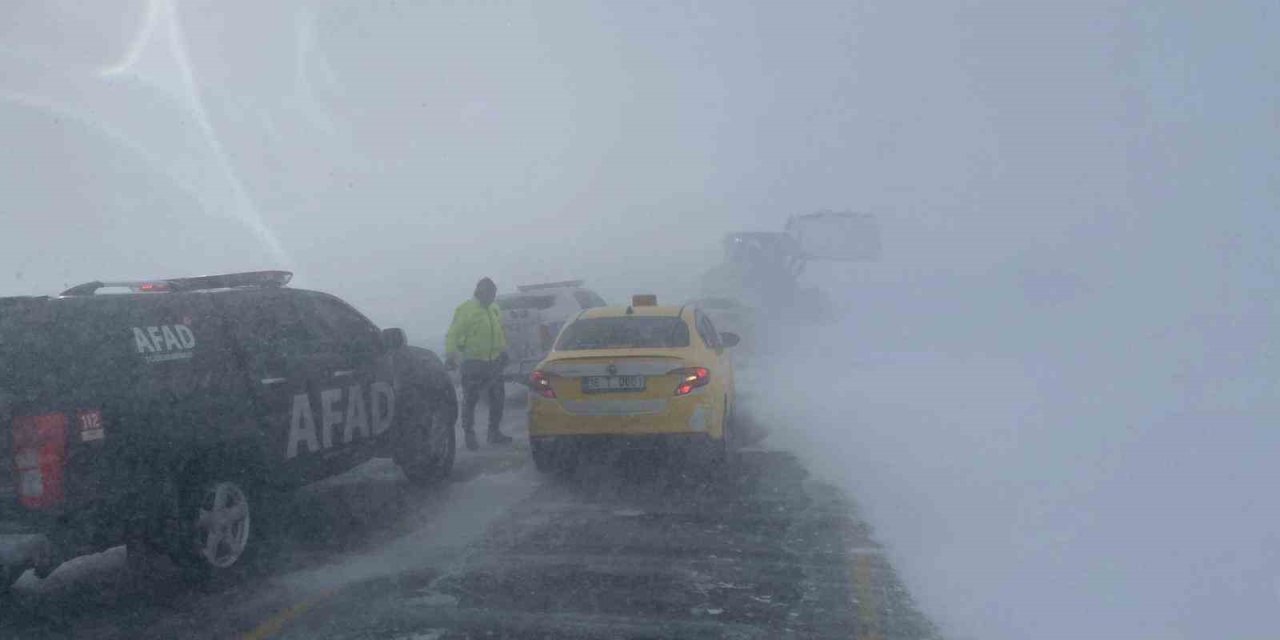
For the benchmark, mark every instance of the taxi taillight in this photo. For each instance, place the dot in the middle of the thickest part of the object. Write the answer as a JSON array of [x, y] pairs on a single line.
[[540, 383], [691, 379], [39, 454]]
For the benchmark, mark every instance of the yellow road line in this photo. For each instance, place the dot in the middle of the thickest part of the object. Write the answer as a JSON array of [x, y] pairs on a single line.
[[868, 602], [276, 623]]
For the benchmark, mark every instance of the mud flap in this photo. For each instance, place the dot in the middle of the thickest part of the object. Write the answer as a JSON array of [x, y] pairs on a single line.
[[21, 552]]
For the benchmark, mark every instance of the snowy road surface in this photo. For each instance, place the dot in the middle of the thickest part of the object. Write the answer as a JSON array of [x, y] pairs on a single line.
[[631, 547]]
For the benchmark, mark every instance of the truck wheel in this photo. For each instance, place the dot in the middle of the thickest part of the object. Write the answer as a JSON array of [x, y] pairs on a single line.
[[429, 451], [214, 528]]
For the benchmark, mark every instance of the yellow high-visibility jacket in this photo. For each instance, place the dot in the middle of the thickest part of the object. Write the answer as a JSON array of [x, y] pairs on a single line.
[[476, 332]]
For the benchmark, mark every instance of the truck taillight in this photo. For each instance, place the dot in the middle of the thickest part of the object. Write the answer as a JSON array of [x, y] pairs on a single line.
[[540, 383], [691, 379], [39, 453]]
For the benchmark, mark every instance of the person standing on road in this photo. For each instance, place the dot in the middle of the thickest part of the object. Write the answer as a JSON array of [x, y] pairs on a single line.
[[477, 344]]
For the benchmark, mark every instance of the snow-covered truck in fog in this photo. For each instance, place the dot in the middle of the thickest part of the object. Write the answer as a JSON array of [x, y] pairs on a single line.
[[533, 316], [759, 279]]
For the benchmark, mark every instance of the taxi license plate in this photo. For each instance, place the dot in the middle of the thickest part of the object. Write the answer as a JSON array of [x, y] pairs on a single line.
[[601, 384]]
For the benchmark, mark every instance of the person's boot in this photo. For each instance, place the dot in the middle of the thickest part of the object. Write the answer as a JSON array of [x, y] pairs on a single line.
[[470, 437], [498, 437]]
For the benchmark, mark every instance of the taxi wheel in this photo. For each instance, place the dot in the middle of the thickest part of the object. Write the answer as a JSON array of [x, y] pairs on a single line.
[[551, 459], [541, 457], [728, 456]]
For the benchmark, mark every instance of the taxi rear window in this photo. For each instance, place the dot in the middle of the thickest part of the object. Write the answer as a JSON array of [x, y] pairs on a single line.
[[628, 332]]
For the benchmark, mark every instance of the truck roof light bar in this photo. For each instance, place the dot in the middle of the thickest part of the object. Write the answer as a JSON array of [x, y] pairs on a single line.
[[196, 283]]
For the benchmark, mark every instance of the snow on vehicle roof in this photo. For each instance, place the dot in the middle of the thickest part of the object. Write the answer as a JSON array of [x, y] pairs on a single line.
[[564, 284]]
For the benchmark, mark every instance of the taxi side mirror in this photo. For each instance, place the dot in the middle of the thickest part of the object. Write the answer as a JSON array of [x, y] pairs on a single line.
[[393, 339], [730, 339]]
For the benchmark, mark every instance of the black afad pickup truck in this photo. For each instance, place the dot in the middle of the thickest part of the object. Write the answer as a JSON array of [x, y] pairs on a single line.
[[164, 414]]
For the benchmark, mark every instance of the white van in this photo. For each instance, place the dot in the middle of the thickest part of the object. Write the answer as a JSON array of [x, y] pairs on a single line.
[[533, 316]]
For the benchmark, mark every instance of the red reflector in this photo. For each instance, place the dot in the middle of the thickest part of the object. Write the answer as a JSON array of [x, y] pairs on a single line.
[[39, 451]]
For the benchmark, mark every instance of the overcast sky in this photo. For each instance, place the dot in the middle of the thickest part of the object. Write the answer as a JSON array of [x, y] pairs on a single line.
[[1110, 168], [427, 134]]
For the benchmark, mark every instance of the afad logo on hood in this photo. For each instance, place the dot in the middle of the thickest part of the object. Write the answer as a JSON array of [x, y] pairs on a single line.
[[165, 342]]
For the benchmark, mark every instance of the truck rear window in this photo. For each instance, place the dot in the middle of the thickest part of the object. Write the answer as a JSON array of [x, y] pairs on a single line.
[[629, 332]]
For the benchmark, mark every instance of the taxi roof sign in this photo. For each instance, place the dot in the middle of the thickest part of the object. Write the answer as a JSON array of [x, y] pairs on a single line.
[[644, 300]]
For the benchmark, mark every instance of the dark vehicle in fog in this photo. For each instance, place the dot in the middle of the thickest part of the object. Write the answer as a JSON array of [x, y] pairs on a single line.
[[166, 415]]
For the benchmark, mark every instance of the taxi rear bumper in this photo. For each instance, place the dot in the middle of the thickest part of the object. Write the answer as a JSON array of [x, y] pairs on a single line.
[[690, 415]]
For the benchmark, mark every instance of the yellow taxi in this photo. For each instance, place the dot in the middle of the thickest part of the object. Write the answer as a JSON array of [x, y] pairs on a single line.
[[637, 376]]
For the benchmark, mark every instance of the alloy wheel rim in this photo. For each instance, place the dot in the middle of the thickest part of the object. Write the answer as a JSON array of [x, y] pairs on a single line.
[[222, 524]]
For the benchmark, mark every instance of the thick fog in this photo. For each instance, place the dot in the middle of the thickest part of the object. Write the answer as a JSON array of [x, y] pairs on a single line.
[[1055, 396]]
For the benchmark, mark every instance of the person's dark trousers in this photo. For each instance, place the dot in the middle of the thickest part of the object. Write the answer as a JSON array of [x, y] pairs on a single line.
[[482, 378]]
